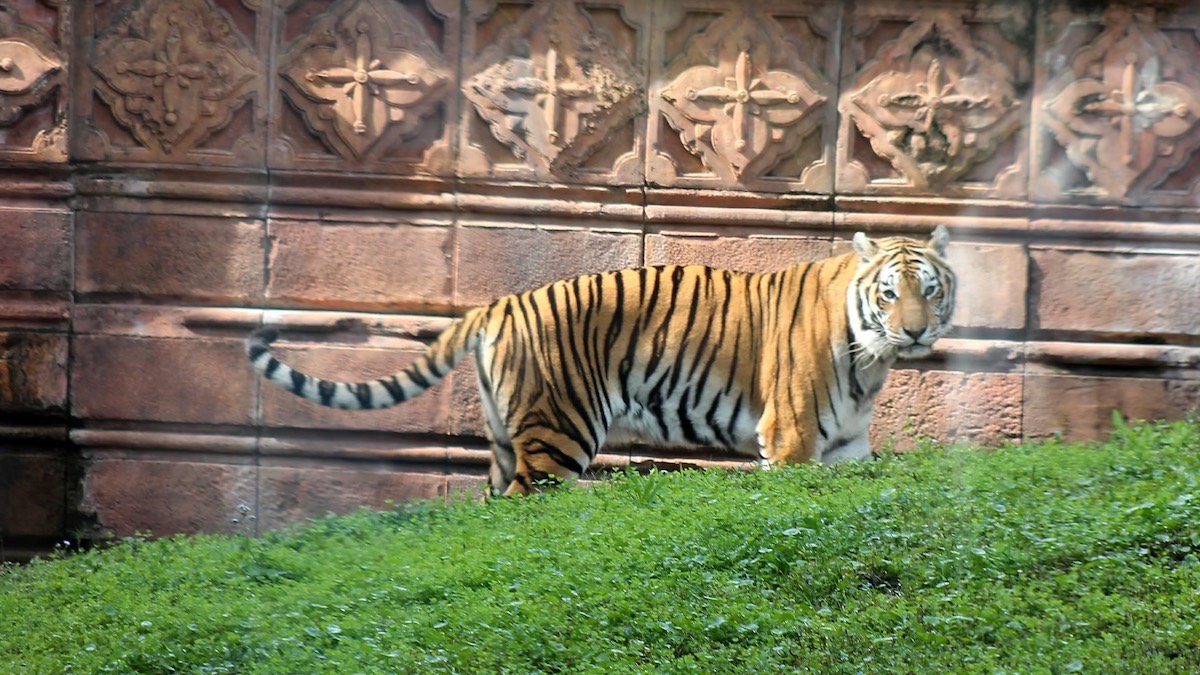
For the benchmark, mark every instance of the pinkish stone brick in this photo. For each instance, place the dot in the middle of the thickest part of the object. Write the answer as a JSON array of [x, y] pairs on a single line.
[[292, 494], [992, 284], [205, 381], [198, 258], [33, 372], [947, 406], [465, 410], [280, 408], [32, 493], [391, 266], [167, 497], [1080, 408], [495, 261], [1117, 293], [742, 253], [36, 250]]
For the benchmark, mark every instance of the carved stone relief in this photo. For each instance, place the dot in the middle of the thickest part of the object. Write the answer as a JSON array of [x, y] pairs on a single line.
[[32, 71], [364, 74], [935, 103], [742, 101], [174, 72], [552, 88], [1125, 109]]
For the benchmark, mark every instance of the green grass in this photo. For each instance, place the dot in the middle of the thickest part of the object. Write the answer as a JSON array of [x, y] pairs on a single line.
[[1039, 558]]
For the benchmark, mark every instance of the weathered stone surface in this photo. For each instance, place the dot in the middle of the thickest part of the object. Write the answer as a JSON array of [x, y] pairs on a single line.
[[947, 406], [533, 257], [1116, 108], [291, 494], [933, 100], [32, 493], [36, 250], [1143, 294], [424, 414], [167, 497], [735, 251], [464, 415], [1081, 407], [992, 285], [201, 259], [205, 381], [554, 90], [33, 372], [392, 266]]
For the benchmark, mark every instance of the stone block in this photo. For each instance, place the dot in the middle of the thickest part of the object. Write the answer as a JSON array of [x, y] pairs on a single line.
[[465, 410], [390, 266], [752, 253], [280, 408], [992, 285], [33, 372], [32, 493], [167, 497], [290, 494], [206, 381], [202, 259], [947, 406], [496, 261], [36, 253], [1080, 407], [1129, 294]]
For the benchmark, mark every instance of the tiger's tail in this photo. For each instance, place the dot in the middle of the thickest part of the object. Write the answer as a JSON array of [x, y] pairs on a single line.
[[437, 362]]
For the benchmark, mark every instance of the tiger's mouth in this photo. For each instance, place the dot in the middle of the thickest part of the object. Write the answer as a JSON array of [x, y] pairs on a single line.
[[914, 351]]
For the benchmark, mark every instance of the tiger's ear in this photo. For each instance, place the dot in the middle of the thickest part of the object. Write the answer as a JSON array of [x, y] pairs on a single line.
[[938, 240], [865, 247]]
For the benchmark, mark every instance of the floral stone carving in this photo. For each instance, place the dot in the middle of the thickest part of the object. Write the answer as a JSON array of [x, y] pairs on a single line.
[[174, 72], [933, 104], [741, 115], [29, 67], [365, 71], [555, 88], [1126, 109]]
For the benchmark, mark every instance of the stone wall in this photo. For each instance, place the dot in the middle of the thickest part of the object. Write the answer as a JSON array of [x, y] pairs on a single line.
[[176, 171]]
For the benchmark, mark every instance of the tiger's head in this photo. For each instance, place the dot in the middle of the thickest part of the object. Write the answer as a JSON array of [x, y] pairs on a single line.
[[902, 296]]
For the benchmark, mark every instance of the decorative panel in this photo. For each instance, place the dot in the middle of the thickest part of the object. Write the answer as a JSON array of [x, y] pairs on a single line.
[[744, 96], [366, 83], [1117, 114], [555, 90], [33, 76], [179, 81], [934, 100]]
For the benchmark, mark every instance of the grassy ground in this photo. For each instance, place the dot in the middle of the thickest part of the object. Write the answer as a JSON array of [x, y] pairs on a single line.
[[1041, 558]]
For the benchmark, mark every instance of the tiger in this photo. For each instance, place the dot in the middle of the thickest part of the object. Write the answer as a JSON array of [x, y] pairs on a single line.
[[782, 366]]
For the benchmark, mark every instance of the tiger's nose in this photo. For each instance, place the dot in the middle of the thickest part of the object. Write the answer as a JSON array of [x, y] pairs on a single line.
[[915, 335]]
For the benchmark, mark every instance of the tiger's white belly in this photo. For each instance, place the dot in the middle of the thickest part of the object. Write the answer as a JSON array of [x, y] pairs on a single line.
[[639, 426]]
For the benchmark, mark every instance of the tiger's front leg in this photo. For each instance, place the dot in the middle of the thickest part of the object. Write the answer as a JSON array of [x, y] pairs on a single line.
[[785, 437]]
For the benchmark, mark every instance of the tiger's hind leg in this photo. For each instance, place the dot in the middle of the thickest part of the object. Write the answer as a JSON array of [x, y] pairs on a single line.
[[545, 457]]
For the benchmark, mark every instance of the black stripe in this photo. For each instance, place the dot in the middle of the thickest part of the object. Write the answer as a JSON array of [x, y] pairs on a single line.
[[710, 419], [737, 410], [256, 351], [393, 387], [272, 366], [561, 458], [325, 390], [362, 391], [415, 375], [685, 422], [298, 380]]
